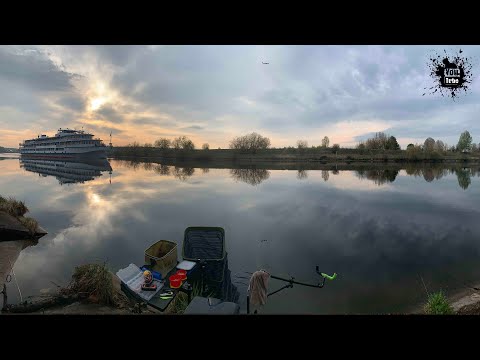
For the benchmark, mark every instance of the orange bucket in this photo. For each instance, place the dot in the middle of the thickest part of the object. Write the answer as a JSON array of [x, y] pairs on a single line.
[[175, 281], [182, 274]]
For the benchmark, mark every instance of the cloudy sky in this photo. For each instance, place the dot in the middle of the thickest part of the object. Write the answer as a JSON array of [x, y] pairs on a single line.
[[213, 93]]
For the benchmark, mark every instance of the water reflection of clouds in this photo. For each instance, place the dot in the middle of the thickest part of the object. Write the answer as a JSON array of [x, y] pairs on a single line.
[[377, 242], [375, 246], [9, 167]]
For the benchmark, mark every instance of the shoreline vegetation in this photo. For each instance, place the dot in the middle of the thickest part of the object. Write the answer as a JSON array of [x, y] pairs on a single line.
[[254, 148], [94, 289], [14, 225]]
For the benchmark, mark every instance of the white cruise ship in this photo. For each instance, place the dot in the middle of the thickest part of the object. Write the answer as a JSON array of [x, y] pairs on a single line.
[[66, 143]]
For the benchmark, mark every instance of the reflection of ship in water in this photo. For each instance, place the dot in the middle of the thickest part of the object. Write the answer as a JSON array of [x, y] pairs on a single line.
[[67, 172]]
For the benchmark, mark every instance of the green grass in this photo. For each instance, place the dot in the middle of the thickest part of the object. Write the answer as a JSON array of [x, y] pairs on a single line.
[[437, 304]]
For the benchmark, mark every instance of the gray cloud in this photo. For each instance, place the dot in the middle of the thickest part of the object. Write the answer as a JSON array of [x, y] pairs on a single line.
[[73, 102], [109, 113], [34, 70], [193, 127], [119, 55], [103, 129]]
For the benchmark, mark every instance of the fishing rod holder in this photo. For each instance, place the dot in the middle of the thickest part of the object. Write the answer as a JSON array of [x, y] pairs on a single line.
[[292, 282], [5, 298], [290, 285]]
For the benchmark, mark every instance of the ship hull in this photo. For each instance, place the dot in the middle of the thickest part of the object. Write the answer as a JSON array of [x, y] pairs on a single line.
[[97, 154]]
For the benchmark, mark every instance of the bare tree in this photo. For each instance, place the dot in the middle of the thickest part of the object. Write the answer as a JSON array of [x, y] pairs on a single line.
[[163, 143], [205, 146], [325, 142], [182, 142], [302, 144], [378, 142], [177, 143], [361, 145], [252, 142]]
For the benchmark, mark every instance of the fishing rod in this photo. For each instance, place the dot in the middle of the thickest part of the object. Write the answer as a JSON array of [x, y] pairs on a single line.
[[292, 281]]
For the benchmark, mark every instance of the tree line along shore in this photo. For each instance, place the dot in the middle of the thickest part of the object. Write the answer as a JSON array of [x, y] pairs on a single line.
[[254, 147]]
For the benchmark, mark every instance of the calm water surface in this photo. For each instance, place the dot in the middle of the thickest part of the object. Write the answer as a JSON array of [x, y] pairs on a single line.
[[380, 230]]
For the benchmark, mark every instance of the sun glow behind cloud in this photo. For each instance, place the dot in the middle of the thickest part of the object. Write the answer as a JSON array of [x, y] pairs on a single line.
[[96, 103]]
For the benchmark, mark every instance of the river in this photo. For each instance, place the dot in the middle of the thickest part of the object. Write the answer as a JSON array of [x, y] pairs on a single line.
[[385, 232]]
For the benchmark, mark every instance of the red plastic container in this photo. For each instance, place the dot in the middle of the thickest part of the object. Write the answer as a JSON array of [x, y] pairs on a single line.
[[182, 274], [175, 281]]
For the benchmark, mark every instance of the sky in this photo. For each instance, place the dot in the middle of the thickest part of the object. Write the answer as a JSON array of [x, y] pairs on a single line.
[[213, 93]]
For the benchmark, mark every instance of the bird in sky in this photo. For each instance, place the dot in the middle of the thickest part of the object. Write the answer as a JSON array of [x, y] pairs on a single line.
[[264, 63]]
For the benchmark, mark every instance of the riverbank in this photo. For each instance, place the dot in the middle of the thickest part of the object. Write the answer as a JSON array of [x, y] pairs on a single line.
[[295, 165], [322, 156], [463, 302], [93, 290], [14, 225], [96, 291]]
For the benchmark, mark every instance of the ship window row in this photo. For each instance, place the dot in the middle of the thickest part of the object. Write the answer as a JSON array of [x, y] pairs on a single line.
[[46, 149], [64, 143], [69, 138]]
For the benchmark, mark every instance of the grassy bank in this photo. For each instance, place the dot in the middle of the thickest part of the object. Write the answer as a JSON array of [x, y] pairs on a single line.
[[17, 209], [322, 155]]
